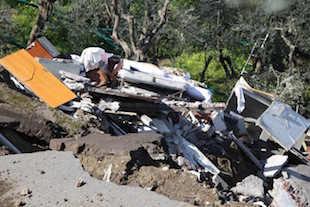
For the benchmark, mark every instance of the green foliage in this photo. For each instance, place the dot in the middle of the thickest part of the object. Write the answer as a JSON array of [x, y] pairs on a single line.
[[23, 21], [194, 64], [215, 75]]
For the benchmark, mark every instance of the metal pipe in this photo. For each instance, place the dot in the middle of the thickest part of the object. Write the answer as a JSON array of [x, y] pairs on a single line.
[[6, 142]]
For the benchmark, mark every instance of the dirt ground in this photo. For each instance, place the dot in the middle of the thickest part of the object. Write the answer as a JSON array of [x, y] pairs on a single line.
[[137, 160], [4, 187]]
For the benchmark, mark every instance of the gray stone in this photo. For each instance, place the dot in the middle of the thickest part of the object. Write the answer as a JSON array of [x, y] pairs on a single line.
[[250, 186], [280, 196]]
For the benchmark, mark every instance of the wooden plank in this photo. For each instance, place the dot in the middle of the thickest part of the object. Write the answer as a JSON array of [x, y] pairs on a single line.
[[37, 78]]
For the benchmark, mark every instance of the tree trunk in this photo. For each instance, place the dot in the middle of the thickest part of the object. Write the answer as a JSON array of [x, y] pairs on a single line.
[[289, 43], [44, 11], [223, 60], [115, 36], [257, 65], [207, 62], [141, 47]]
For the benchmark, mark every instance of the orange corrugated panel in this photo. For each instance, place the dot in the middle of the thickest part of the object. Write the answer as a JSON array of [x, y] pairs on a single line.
[[43, 83]]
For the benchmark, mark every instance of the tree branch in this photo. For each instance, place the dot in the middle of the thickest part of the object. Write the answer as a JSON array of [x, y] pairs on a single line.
[[115, 36], [108, 13], [44, 12], [163, 16]]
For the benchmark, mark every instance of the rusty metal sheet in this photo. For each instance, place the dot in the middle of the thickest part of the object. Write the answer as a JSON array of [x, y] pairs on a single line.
[[37, 78]]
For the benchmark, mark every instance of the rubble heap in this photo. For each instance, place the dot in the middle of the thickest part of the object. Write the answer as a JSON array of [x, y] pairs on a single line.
[[137, 124]]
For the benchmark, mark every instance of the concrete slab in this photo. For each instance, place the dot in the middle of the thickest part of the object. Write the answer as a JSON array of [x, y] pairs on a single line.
[[251, 186], [55, 178], [274, 164]]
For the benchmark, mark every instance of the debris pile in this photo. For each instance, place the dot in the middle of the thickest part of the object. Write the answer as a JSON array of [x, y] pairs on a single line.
[[250, 149]]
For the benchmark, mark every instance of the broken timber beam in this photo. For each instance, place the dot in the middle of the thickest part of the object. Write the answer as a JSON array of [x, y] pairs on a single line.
[[247, 151]]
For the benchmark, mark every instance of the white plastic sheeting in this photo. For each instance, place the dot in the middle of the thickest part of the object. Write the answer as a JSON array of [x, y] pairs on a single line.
[[92, 56], [163, 79], [240, 97]]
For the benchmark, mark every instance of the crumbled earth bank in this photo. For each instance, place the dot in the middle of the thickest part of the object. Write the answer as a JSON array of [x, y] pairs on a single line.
[[137, 160]]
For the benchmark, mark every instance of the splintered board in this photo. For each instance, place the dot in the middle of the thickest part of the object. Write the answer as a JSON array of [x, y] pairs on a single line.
[[37, 78]]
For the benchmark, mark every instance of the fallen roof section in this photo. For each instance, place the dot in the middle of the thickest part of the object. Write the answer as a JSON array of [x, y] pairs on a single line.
[[254, 101], [55, 66], [43, 83], [287, 127]]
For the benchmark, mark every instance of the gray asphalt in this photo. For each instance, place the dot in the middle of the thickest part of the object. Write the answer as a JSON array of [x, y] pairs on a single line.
[[52, 178]]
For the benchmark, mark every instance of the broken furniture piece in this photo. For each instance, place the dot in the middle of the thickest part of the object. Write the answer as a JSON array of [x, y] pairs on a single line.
[[37, 78], [42, 48], [98, 65]]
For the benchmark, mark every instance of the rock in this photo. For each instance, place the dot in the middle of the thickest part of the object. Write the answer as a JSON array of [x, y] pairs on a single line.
[[250, 186], [281, 196], [75, 147], [25, 192], [80, 183], [57, 144], [19, 203]]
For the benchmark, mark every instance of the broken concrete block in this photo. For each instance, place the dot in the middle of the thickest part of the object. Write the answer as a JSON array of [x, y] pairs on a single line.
[[217, 120], [160, 126], [251, 186], [281, 197], [299, 179], [274, 164]]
